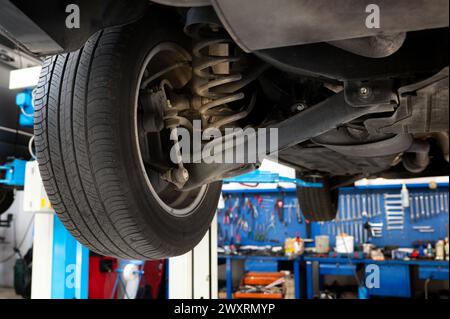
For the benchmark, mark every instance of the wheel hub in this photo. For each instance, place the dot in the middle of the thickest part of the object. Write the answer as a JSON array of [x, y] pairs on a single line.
[[156, 120]]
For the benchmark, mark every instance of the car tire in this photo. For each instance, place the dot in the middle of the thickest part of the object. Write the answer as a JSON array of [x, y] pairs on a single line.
[[317, 204], [88, 155], [6, 199]]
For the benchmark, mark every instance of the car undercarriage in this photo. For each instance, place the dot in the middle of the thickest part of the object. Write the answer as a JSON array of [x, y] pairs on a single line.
[[347, 98]]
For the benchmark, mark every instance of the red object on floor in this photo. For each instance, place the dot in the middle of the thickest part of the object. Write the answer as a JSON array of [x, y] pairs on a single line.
[[153, 276], [102, 276]]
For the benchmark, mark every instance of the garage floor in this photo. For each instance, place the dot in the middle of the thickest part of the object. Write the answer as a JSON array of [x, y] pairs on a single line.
[[8, 293]]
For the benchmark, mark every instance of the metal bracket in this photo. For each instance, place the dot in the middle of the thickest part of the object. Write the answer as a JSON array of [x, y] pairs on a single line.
[[413, 115], [14, 173], [368, 93]]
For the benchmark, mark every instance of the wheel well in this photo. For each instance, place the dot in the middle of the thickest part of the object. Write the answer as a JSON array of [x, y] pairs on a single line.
[[39, 24]]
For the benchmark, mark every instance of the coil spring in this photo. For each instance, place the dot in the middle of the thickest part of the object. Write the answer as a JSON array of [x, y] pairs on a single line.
[[206, 84]]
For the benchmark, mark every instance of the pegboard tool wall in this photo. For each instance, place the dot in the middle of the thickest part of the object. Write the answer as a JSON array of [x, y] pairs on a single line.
[[426, 219], [252, 217]]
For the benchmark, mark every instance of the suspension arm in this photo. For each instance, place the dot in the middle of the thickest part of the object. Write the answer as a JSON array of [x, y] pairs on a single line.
[[320, 119], [299, 128]]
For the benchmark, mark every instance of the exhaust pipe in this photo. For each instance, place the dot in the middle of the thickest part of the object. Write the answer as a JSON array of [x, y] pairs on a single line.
[[416, 158]]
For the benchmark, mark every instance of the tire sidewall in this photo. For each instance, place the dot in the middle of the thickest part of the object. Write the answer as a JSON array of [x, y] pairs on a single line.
[[181, 233]]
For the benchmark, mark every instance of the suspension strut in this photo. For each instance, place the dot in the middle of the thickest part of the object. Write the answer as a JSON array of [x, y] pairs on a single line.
[[212, 64]]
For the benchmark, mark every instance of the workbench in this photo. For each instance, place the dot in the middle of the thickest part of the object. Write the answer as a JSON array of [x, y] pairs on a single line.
[[253, 217], [394, 279], [260, 259]]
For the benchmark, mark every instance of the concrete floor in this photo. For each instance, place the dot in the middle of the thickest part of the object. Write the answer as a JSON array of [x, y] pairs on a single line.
[[8, 293]]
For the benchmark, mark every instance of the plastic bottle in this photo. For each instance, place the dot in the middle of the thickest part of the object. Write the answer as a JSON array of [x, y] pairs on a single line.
[[298, 245], [429, 250], [440, 253], [405, 196]]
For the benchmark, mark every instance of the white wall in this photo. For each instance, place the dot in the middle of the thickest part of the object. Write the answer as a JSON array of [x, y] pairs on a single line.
[[421, 180], [21, 220]]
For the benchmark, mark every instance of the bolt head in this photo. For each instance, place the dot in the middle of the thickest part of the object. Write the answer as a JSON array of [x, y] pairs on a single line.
[[364, 91], [300, 107], [185, 174]]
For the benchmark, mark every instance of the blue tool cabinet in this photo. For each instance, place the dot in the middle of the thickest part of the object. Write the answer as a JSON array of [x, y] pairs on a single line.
[[252, 217]]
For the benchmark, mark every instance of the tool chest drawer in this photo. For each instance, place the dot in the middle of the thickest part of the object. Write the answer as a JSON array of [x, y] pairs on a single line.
[[261, 265], [337, 269], [394, 281], [434, 273]]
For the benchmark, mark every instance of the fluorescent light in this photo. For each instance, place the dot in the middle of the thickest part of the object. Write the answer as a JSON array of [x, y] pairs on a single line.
[[24, 78]]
